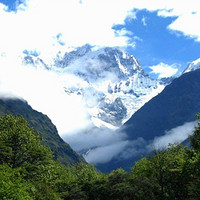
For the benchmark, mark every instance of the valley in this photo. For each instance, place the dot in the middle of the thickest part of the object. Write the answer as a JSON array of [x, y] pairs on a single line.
[[126, 109]]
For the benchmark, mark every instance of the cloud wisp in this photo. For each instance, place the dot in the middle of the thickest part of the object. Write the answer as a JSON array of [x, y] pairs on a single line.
[[100, 155], [175, 135], [164, 70]]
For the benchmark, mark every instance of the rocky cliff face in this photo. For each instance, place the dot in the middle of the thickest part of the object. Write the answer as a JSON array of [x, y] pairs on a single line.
[[111, 82]]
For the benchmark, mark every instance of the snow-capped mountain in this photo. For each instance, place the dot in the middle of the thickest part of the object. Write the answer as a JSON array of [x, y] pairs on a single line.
[[111, 82], [193, 66]]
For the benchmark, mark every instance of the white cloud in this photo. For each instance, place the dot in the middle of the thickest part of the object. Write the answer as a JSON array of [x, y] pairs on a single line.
[[122, 149], [44, 91], [101, 144], [188, 25], [175, 135], [164, 70], [123, 32], [36, 25]]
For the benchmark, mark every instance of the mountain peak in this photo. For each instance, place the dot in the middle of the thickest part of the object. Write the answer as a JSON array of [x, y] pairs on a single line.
[[113, 77], [109, 80]]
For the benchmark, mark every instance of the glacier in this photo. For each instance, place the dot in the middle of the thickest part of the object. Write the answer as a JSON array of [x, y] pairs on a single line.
[[111, 82]]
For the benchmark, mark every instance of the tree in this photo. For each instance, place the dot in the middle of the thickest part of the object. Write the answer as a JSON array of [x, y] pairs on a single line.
[[27, 159], [166, 170], [193, 163], [195, 138], [12, 185], [20, 145]]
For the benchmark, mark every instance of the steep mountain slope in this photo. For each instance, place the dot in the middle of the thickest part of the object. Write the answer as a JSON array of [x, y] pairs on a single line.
[[178, 103], [42, 124]]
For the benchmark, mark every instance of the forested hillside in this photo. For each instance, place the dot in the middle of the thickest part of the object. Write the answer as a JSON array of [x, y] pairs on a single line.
[[42, 124], [28, 171]]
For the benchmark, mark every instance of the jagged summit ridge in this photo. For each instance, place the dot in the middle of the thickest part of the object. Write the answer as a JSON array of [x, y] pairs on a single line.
[[193, 66]]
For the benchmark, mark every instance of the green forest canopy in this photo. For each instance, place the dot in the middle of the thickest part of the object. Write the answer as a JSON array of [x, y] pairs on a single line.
[[28, 171]]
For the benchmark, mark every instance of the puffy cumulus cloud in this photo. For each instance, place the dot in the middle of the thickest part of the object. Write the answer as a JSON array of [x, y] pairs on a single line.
[[164, 70], [44, 91], [175, 135], [188, 16]]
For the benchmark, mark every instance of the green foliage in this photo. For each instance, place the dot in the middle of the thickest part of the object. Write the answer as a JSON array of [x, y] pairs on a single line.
[[21, 146], [12, 184], [23, 153], [28, 171], [195, 138], [174, 172], [166, 170]]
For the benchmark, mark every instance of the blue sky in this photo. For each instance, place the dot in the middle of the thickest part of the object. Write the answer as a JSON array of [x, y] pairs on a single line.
[[158, 44], [11, 4], [164, 35]]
